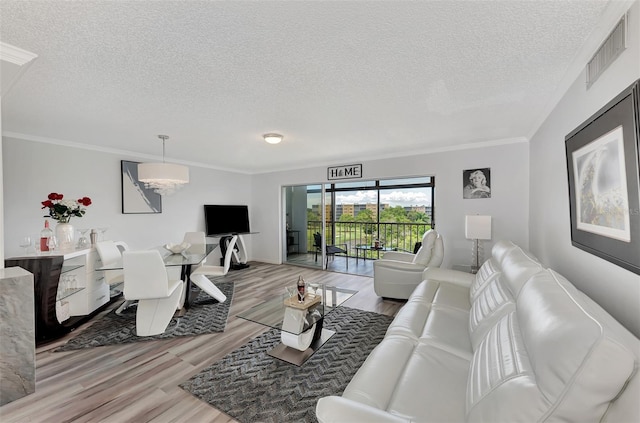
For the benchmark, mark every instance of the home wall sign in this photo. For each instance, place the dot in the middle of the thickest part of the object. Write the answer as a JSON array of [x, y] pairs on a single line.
[[352, 171], [604, 187]]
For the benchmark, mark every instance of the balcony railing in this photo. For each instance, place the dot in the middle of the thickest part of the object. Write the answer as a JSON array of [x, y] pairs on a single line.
[[398, 236]]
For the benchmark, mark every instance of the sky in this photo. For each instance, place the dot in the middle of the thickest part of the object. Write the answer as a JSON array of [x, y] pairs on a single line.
[[400, 197]]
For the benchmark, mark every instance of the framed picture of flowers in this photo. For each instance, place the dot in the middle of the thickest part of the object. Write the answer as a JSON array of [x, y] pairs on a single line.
[[135, 197]]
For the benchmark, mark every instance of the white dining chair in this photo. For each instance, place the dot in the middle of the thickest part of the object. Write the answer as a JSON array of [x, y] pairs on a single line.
[[110, 253], [197, 241], [146, 280], [197, 245], [199, 275]]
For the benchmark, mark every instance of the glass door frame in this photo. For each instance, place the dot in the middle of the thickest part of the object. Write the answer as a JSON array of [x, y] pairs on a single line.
[[285, 221]]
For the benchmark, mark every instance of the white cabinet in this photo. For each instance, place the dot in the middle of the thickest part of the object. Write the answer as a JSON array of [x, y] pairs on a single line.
[[81, 289]]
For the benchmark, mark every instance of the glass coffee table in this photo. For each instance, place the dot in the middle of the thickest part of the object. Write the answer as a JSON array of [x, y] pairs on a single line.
[[300, 324]]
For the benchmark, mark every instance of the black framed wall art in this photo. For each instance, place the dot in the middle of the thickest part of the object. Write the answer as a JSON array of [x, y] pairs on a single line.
[[604, 181], [135, 197], [476, 183]]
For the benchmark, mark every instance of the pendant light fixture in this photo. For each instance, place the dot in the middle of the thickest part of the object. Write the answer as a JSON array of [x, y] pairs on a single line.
[[163, 178]]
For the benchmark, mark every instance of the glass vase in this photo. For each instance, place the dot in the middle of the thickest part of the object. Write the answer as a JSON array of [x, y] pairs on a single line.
[[65, 234]]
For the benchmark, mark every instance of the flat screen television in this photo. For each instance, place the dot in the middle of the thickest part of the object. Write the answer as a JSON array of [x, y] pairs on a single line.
[[225, 219]]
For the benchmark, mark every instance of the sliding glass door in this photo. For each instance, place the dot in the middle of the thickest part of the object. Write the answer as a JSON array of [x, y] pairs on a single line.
[[303, 212], [363, 218]]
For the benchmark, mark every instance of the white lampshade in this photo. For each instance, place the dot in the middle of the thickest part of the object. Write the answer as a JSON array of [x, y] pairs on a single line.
[[163, 178], [477, 227]]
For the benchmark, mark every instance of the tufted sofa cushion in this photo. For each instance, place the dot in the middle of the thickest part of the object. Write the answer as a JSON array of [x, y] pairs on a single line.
[[492, 267], [437, 313], [514, 342], [517, 267], [490, 304], [497, 296], [399, 387], [554, 358]]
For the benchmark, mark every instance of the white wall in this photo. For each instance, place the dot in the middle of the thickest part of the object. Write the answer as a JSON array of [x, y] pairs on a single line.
[[32, 170], [614, 288], [509, 202], [1, 197], [298, 216]]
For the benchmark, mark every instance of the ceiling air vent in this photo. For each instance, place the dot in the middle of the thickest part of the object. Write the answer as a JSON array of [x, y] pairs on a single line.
[[615, 43]]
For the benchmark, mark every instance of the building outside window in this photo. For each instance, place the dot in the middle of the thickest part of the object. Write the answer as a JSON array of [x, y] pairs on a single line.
[[394, 212]]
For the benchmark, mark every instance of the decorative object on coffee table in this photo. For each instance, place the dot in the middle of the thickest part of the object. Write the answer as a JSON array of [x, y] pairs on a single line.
[[301, 324]]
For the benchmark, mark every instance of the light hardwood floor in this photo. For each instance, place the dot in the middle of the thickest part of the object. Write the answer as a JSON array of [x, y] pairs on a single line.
[[138, 382], [335, 264]]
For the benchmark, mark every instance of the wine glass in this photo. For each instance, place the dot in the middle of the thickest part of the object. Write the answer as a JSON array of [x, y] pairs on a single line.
[[313, 288], [36, 243], [52, 243], [83, 242], [25, 243], [291, 291], [102, 231]]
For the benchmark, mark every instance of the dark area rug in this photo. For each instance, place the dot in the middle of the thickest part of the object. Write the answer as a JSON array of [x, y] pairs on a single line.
[[206, 315], [251, 386]]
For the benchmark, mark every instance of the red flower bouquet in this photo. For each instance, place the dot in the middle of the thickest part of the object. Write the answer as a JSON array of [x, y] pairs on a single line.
[[62, 210]]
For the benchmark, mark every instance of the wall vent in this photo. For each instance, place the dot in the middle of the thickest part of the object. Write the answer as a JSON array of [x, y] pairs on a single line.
[[610, 49]]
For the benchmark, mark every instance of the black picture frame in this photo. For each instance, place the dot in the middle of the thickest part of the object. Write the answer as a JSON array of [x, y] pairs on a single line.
[[136, 199], [603, 156], [476, 183]]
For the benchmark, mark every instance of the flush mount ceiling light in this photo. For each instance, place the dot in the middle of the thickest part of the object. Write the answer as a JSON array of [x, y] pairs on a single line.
[[272, 138], [163, 178]]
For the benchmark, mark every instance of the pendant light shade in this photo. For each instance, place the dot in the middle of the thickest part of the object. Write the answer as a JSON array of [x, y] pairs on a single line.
[[163, 178]]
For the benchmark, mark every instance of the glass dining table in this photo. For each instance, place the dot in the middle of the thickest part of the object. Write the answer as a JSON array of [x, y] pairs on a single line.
[[192, 256]]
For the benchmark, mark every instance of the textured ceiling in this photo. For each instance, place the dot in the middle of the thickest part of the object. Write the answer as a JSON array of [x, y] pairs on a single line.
[[341, 80]]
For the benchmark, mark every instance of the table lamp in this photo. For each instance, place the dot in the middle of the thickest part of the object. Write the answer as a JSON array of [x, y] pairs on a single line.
[[477, 228]]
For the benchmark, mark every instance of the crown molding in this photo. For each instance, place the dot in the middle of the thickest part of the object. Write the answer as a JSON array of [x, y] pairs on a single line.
[[15, 55], [395, 154], [114, 151], [126, 153]]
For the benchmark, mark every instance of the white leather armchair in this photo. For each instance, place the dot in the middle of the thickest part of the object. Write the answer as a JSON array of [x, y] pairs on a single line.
[[397, 273]]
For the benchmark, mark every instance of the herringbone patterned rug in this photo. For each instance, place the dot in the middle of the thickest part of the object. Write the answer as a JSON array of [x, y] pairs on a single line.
[[206, 315], [251, 386]]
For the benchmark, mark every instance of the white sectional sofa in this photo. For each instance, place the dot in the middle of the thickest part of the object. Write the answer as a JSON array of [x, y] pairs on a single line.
[[514, 343]]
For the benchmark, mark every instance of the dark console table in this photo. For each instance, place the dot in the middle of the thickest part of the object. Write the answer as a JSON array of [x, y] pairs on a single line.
[[67, 290]]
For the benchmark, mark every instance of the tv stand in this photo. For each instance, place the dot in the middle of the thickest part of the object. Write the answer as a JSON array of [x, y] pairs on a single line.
[[239, 255], [239, 266]]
